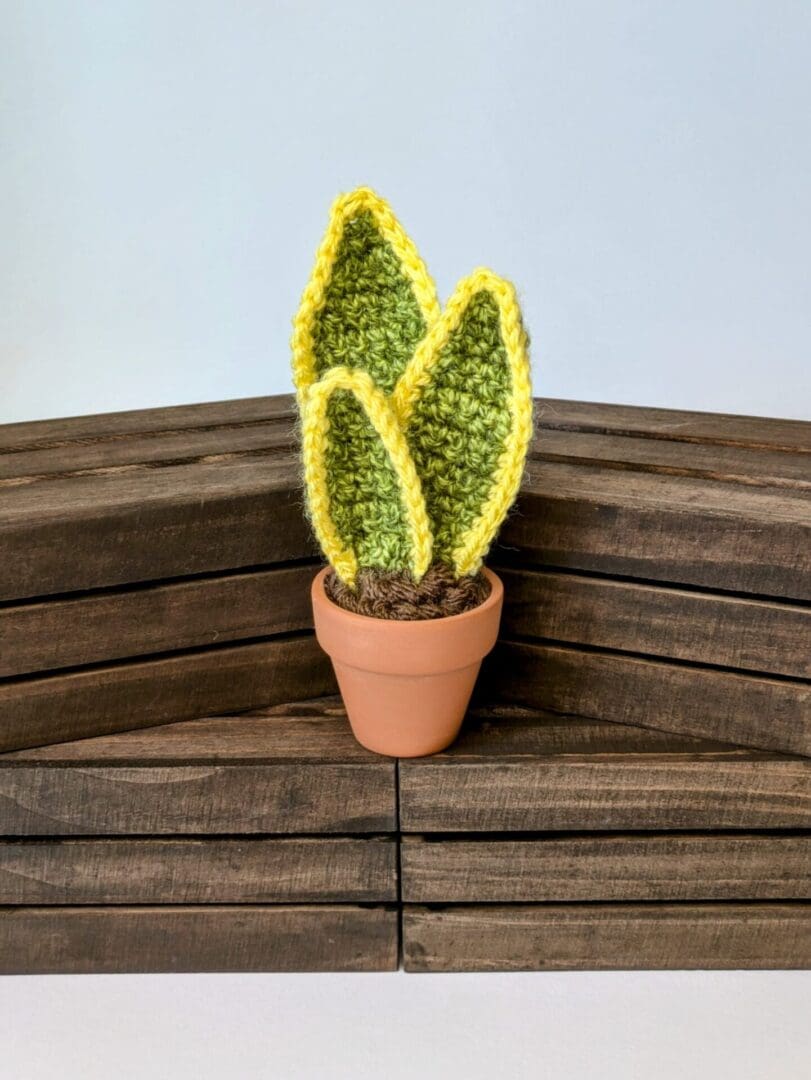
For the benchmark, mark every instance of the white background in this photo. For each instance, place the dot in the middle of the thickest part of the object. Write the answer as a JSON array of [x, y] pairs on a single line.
[[641, 170]]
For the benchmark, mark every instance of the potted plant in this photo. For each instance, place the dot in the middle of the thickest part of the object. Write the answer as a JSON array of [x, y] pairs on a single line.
[[415, 424]]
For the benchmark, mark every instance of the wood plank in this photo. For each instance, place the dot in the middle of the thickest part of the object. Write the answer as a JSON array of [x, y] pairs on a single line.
[[606, 937], [92, 628], [308, 730], [587, 868], [99, 531], [772, 714], [150, 451], [233, 871], [98, 940], [294, 769], [524, 771], [117, 697], [729, 631], [79, 430], [662, 528], [709, 461], [719, 429]]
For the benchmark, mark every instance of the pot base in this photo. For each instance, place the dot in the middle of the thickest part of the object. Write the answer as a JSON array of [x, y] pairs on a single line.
[[405, 715]]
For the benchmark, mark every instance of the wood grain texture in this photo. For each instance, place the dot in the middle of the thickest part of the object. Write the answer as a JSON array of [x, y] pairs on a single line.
[[702, 460], [604, 937], [105, 456], [607, 867], [714, 429], [705, 702], [115, 426], [267, 773], [96, 940], [142, 693], [309, 730], [209, 871], [662, 528], [146, 524], [728, 631], [92, 628], [515, 770]]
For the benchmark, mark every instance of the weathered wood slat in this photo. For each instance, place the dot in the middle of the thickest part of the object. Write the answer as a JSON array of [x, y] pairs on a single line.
[[603, 937], [719, 429], [79, 430], [738, 708], [266, 773], [709, 461], [49, 634], [141, 693], [209, 871], [145, 452], [657, 867], [526, 772], [310, 731], [729, 631], [663, 528], [149, 524], [75, 940]]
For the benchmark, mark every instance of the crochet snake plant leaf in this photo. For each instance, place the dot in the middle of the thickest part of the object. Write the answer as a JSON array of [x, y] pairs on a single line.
[[368, 303], [465, 403], [415, 424]]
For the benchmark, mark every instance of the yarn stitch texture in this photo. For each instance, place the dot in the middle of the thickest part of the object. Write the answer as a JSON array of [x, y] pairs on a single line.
[[415, 423]]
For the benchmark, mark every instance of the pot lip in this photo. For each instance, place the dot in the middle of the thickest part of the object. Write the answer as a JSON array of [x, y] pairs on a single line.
[[352, 617]]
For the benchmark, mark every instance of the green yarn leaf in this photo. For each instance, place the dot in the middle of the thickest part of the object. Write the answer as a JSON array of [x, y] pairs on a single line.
[[460, 422], [370, 319], [364, 496]]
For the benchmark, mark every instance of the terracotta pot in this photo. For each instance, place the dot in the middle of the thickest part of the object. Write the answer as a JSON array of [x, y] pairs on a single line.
[[406, 685]]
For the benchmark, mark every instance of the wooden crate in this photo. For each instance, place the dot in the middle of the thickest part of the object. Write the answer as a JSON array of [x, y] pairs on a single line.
[[259, 842], [545, 842], [155, 567], [658, 573]]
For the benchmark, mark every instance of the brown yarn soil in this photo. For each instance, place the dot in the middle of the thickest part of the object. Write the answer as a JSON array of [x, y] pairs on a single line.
[[395, 595]]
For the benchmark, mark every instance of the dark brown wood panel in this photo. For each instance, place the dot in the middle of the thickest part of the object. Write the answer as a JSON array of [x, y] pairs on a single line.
[[733, 464], [728, 631], [167, 420], [117, 697], [105, 457], [738, 708], [524, 772], [287, 770], [49, 634], [97, 940], [197, 799], [719, 429], [586, 868], [663, 528], [310, 731], [142, 525], [208, 871], [604, 937]]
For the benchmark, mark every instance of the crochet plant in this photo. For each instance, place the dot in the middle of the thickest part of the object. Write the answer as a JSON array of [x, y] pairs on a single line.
[[415, 422]]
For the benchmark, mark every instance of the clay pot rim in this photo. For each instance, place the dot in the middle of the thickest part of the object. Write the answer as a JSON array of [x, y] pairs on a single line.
[[493, 598]]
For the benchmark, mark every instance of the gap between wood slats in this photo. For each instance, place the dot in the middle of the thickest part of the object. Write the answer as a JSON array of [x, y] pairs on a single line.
[[138, 423], [167, 654], [652, 658], [507, 559], [141, 586]]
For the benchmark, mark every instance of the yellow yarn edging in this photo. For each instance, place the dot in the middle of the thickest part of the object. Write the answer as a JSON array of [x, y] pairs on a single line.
[[345, 208], [469, 553], [315, 443]]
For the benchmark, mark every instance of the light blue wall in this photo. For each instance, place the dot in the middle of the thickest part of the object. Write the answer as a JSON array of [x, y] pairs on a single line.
[[641, 170]]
